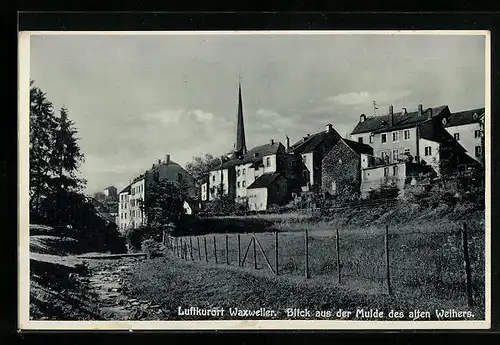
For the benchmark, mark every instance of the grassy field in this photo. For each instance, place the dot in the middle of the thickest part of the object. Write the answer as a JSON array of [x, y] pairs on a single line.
[[172, 282], [426, 258]]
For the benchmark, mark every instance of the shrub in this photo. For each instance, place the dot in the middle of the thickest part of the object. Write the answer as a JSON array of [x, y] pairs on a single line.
[[151, 248], [135, 236], [385, 191]]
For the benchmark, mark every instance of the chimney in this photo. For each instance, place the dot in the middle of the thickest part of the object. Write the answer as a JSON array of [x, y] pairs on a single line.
[[391, 116], [159, 161], [328, 128], [271, 141], [167, 158], [420, 109], [404, 111], [362, 118], [429, 111], [287, 143]]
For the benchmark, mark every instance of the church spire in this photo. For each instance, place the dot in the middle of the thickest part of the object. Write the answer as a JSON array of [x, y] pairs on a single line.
[[240, 147]]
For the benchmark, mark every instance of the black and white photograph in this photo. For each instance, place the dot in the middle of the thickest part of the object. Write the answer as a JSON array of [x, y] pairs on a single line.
[[254, 180]]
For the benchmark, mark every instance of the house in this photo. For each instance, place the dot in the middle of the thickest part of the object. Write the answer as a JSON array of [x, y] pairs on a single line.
[[124, 216], [312, 149], [467, 127], [341, 168], [270, 188], [133, 197], [417, 137], [110, 192]]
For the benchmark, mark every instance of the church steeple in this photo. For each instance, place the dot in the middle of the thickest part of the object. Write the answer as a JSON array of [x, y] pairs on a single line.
[[240, 147]]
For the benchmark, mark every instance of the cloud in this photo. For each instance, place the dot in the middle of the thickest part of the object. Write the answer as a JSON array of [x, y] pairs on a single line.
[[365, 97], [266, 113], [202, 116], [165, 116]]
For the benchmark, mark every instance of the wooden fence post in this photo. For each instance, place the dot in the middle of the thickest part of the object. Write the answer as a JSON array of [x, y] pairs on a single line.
[[239, 251], [254, 253], [215, 249], [306, 254], [191, 247], [227, 250], [199, 251], [465, 242], [337, 241], [387, 262], [276, 252], [206, 251], [185, 250]]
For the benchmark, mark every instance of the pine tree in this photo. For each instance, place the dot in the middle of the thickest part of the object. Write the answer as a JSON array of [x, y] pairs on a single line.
[[66, 157], [42, 126]]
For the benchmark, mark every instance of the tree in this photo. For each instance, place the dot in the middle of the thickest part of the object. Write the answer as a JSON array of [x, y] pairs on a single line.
[[183, 186], [200, 166], [163, 204], [66, 157], [42, 127]]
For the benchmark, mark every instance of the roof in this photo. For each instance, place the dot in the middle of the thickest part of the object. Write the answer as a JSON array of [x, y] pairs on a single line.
[[465, 117], [359, 148], [126, 189], [311, 142], [110, 187], [437, 133], [249, 157], [410, 119], [264, 180]]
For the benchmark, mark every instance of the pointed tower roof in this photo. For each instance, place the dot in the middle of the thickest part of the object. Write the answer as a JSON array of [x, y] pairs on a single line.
[[240, 147]]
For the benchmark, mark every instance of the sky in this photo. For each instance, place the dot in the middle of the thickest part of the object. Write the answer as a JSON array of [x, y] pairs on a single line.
[[136, 98]]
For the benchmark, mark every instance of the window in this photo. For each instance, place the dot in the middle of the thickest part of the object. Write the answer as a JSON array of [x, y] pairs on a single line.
[[371, 139], [238, 172], [478, 150], [395, 154], [304, 159], [407, 151], [407, 134], [395, 136], [456, 136], [386, 171], [268, 161], [244, 184], [213, 178], [395, 170], [384, 138], [428, 151], [243, 171], [360, 140], [477, 133], [238, 184]]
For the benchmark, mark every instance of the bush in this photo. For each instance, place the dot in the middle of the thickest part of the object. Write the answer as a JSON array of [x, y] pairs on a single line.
[[151, 248], [385, 191], [135, 236]]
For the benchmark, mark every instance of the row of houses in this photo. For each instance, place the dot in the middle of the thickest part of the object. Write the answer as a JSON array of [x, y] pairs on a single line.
[[132, 197], [396, 147]]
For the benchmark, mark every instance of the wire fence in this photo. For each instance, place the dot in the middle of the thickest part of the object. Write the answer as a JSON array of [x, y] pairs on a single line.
[[448, 261]]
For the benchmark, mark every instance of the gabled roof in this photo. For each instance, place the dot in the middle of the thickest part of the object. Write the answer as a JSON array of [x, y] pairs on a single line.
[[126, 189], [250, 156], [436, 132], [465, 117], [312, 142], [264, 180], [359, 148], [378, 124]]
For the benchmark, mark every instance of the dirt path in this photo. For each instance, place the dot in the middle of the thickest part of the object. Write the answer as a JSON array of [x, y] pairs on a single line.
[[107, 281]]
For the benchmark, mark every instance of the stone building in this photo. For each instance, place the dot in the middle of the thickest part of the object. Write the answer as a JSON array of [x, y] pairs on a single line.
[[341, 168], [311, 149]]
